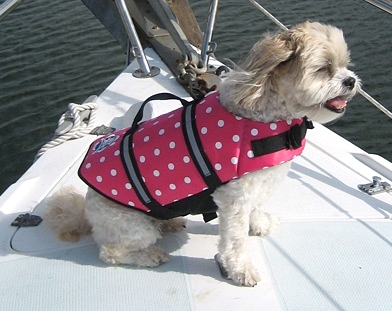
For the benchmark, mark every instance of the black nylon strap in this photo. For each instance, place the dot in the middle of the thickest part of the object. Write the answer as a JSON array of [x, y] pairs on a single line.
[[159, 96], [290, 139], [131, 165], [133, 173]]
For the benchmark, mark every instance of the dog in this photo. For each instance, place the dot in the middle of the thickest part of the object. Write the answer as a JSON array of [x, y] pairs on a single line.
[[287, 75]]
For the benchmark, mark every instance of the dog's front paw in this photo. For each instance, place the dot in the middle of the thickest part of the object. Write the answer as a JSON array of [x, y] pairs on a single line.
[[263, 226], [242, 273], [247, 276]]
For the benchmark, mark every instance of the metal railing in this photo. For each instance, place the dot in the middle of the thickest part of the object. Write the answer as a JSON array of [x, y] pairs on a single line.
[[145, 70], [8, 6], [206, 47], [385, 5]]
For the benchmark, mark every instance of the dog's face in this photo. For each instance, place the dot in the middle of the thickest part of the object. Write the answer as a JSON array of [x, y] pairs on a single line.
[[295, 73], [315, 79]]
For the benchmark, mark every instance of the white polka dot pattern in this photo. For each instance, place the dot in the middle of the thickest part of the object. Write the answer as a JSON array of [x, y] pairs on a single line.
[[227, 139], [104, 171], [165, 163], [167, 172]]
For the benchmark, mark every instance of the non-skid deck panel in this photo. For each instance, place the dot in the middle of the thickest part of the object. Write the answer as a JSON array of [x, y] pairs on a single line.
[[191, 271], [75, 279], [341, 265], [319, 187]]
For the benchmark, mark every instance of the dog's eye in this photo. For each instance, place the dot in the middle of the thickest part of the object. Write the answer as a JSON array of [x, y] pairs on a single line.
[[322, 69], [327, 70]]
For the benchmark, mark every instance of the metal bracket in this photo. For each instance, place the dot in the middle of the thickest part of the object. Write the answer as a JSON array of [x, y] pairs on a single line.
[[26, 220], [102, 130], [138, 73], [377, 186]]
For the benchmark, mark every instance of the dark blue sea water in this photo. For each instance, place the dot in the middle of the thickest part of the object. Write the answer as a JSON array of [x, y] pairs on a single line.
[[56, 52]]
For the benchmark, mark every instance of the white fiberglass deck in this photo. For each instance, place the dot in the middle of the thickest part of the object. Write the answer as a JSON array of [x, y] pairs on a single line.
[[332, 250]]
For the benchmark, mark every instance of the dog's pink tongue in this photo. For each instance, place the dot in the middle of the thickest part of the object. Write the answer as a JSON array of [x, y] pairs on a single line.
[[337, 103]]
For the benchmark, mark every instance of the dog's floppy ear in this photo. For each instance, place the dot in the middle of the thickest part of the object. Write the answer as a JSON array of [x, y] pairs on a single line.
[[270, 52], [250, 87]]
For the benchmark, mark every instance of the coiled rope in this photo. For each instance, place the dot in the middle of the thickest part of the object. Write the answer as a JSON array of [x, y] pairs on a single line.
[[283, 27], [75, 123]]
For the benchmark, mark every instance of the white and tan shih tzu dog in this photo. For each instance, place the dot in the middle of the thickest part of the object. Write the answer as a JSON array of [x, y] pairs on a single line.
[[231, 156]]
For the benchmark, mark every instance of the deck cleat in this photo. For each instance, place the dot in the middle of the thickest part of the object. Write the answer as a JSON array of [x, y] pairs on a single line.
[[377, 186]]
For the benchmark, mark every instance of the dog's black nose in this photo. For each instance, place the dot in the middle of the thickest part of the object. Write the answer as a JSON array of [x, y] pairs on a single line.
[[349, 82]]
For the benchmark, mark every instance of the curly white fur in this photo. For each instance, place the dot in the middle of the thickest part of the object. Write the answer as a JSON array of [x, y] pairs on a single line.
[[66, 215], [287, 75]]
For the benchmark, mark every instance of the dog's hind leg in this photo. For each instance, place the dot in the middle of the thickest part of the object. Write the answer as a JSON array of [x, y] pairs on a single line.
[[137, 252], [150, 256], [131, 243], [124, 236], [173, 225]]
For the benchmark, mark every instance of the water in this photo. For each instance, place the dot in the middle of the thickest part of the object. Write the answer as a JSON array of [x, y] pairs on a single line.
[[56, 52]]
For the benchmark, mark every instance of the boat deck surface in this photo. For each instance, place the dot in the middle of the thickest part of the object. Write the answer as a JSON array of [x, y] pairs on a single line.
[[332, 250]]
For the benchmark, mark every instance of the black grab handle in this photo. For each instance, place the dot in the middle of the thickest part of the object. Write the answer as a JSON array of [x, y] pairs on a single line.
[[159, 96]]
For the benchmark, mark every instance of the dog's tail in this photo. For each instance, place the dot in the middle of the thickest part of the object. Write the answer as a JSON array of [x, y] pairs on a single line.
[[65, 215]]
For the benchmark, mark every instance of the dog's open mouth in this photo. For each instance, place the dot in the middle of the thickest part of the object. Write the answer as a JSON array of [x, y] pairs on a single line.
[[336, 104]]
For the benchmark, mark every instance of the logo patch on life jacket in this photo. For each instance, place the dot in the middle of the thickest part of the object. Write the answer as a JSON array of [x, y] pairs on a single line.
[[105, 142]]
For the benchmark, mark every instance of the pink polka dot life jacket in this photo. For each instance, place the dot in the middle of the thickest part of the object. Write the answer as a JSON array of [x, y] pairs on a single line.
[[169, 166]]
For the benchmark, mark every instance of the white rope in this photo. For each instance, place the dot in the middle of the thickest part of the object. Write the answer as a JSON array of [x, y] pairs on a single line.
[[361, 91], [79, 128]]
